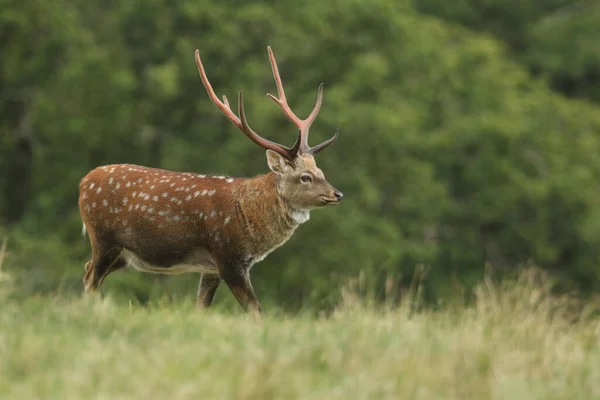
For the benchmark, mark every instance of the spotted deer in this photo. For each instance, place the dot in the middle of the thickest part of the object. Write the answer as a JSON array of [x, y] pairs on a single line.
[[168, 222]]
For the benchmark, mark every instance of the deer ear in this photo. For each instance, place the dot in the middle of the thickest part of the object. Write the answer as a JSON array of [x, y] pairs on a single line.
[[276, 162]]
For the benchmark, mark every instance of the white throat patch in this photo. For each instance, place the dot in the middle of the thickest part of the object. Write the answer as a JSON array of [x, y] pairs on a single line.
[[300, 217]]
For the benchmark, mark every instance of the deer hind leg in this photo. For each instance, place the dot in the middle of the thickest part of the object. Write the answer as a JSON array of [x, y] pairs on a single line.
[[206, 289], [104, 261], [238, 281], [118, 264]]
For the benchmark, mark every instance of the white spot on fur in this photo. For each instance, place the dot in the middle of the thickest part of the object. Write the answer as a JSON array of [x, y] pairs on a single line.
[[110, 180], [226, 221], [213, 213], [229, 180], [104, 203], [128, 184], [212, 192], [125, 201], [203, 192], [155, 198], [94, 205], [165, 194], [91, 185], [118, 185], [189, 197], [99, 190], [197, 193]]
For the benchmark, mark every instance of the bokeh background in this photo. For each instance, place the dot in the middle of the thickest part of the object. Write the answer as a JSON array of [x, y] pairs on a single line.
[[470, 134]]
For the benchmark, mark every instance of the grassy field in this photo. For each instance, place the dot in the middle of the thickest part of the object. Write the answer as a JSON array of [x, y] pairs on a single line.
[[511, 344]]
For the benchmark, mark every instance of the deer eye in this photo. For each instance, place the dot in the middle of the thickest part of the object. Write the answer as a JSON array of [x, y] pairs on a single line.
[[306, 178]]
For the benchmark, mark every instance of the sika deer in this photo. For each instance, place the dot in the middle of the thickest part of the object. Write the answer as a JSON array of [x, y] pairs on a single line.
[[174, 222]]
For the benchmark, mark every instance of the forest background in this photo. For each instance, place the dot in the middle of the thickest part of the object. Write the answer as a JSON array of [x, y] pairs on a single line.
[[470, 134]]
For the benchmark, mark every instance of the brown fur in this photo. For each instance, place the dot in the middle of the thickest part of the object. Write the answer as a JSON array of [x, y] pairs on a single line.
[[172, 222], [220, 225]]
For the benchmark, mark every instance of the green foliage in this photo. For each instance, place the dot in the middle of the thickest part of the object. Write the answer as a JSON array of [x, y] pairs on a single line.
[[452, 155], [556, 39]]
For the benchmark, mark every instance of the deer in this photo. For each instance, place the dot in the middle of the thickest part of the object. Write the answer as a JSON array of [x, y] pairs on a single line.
[[166, 222]]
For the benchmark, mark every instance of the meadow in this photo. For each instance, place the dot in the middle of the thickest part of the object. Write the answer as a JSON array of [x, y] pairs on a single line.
[[512, 342]]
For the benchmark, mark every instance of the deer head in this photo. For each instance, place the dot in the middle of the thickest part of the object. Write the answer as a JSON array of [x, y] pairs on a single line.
[[300, 182]]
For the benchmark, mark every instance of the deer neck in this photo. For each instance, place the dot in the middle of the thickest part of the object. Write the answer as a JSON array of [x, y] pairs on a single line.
[[271, 204], [266, 215]]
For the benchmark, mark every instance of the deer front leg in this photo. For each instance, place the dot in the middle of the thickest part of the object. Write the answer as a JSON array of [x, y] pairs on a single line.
[[237, 279], [206, 290]]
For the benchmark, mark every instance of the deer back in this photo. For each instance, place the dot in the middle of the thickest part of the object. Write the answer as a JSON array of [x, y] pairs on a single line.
[[163, 216]]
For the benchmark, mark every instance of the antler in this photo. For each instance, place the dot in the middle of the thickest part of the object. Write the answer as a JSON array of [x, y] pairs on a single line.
[[301, 146], [302, 124], [241, 123]]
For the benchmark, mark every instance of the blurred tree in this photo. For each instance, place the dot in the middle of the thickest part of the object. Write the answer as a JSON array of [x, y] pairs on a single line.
[[34, 38], [451, 154], [556, 39]]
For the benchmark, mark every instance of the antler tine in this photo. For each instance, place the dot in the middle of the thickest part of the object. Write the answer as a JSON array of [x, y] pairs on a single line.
[[313, 115], [224, 107], [282, 101], [240, 122], [314, 150]]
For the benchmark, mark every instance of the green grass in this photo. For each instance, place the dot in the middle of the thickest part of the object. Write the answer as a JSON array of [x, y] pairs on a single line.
[[516, 343]]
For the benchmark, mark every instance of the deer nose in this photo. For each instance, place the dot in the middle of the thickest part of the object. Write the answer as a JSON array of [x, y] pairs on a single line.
[[338, 195]]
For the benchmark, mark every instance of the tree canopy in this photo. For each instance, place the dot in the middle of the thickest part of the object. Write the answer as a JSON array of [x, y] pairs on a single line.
[[469, 133]]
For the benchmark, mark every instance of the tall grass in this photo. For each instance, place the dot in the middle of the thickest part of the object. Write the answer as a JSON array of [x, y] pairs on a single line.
[[513, 342]]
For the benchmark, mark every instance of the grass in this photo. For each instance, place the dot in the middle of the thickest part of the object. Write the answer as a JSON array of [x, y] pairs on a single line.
[[515, 343]]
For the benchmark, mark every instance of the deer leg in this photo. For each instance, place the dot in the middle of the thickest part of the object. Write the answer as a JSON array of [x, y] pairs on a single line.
[[238, 281], [102, 260], [206, 290], [118, 264]]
